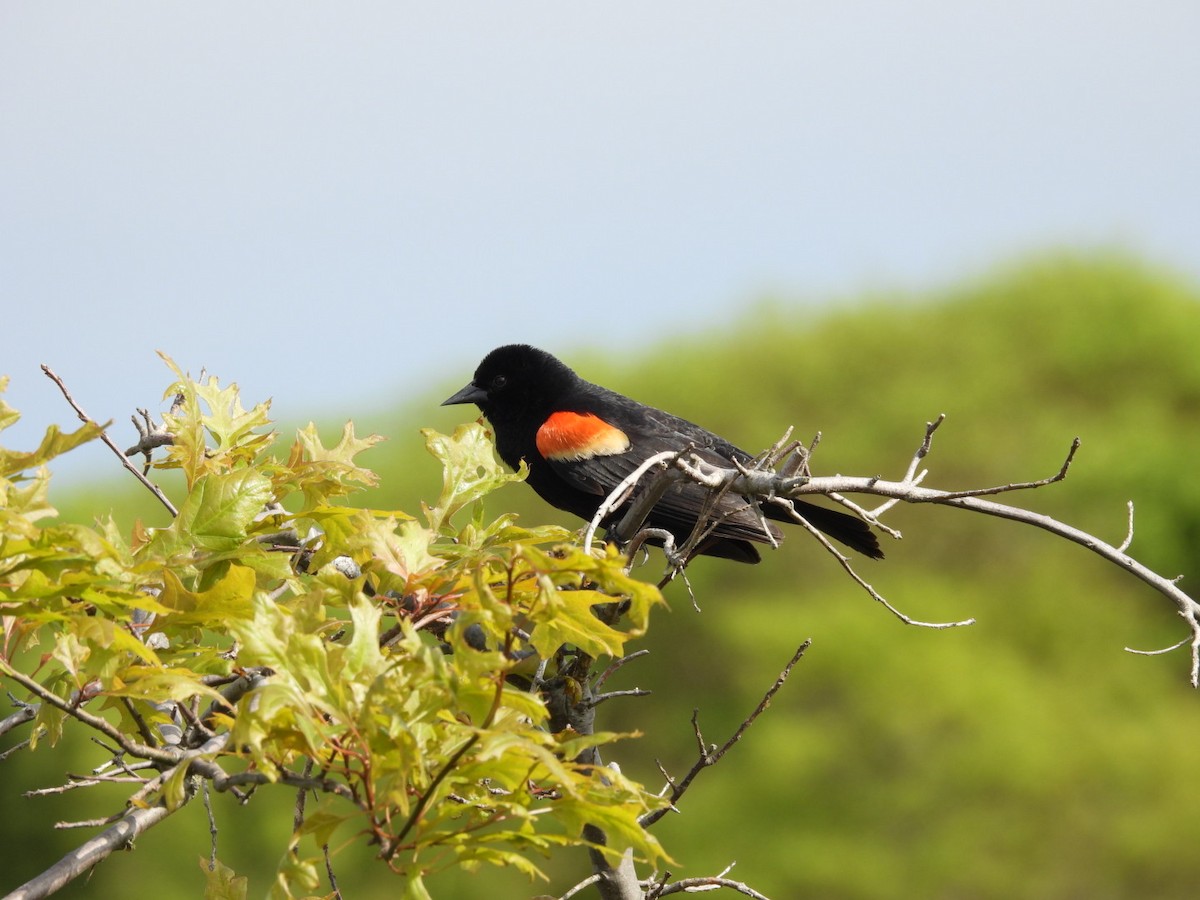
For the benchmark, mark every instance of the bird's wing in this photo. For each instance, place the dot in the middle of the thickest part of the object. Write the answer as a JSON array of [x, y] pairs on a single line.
[[612, 453]]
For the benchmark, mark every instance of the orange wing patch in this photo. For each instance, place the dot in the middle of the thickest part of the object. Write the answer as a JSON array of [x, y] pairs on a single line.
[[568, 436]]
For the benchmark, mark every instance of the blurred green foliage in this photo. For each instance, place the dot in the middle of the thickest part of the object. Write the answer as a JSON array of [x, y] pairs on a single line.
[[1028, 755]]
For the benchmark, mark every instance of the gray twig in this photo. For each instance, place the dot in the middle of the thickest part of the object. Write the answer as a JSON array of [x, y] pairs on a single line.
[[711, 755], [75, 863], [84, 417]]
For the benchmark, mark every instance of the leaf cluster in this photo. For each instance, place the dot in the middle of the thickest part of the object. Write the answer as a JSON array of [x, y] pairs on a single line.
[[274, 635]]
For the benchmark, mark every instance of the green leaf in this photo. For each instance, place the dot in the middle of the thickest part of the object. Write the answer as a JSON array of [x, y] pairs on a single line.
[[361, 660], [174, 789], [570, 583], [219, 509], [402, 549], [414, 888], [156, 685], [470, 469], [54, 443], [322, 824], [296, 876], [613, 804], [228, 600], [322, 473], [222, 883], [8, 415], [71, 652], [568, 618], [31, 502], [229, 423]]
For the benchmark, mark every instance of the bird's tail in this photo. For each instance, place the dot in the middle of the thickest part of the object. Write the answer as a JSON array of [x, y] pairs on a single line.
[[842, 527]]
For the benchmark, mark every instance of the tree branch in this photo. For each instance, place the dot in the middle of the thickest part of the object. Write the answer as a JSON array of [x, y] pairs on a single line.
[[637, 514], [1188, 608], [662, 887], [26, 713], [760, 483], [133, 748], [710, 756], [81, 859], [84, 417]]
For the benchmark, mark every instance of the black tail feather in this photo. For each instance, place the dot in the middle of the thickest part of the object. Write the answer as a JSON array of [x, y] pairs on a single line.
[[842, 527]]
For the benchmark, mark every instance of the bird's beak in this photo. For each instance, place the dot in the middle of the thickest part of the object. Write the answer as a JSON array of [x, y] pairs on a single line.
[[469, 394]]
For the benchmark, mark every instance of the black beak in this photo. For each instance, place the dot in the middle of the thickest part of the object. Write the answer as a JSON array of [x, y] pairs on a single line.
[[469, 394]]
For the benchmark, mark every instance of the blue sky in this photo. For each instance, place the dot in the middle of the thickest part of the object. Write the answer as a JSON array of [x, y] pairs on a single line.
[[341, 204]]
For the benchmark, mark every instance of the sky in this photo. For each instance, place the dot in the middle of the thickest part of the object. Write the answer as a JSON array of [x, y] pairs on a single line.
[[345, 205]]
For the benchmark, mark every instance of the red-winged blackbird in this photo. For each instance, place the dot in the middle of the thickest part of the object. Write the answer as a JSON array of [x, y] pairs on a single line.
[[581, 440]]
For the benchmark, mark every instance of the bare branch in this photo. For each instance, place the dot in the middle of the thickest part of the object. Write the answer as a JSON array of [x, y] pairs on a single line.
[[844, 562], [760, 484], [620, 493], [1160, 652], [133, 748], [711, 756], [722, 482], [1187, 607], [150, 435], [142, 727], [87, 823], [911, 493], [71, 785], [223, 781], [88, 854], [696, 885], [609, 695], [1020, 485], [1129, 530], [329, 873], [15, 748], [664, 537], [212, 829], [26, 713], [911, 475], [84, 417], [660, 887], [586, 883], [301, 799], [617, 664]]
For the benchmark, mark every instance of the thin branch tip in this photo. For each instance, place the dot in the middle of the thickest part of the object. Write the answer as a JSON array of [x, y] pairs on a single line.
[[108, 442]]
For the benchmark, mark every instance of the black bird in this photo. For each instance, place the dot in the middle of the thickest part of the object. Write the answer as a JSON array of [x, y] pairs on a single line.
[[580, 440]]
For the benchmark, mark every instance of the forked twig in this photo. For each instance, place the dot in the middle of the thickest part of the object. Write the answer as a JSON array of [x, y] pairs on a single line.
[[84, 417], [710, 756]]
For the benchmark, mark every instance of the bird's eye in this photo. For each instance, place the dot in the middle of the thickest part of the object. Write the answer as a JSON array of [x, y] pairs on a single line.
[[498, 382]]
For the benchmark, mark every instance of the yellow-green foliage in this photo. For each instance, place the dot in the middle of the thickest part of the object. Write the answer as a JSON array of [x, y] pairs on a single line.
[[428, 751]]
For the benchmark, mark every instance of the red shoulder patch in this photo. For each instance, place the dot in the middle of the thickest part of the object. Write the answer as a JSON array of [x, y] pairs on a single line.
[[566, 436]]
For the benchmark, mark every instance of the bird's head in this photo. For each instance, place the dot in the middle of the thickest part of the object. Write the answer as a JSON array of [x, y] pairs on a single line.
[[516, 379]]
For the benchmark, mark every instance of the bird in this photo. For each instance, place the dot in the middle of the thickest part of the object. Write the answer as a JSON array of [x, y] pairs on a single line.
[[580, 440]]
